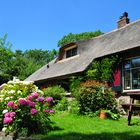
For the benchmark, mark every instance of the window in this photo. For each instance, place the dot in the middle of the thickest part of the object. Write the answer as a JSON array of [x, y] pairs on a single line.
[[131, 73], [71, 52]]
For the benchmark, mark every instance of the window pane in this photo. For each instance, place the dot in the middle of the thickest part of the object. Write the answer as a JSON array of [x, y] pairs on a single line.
[[127, 84], [71, 52], [68, 53], [127, 65], [136, 78], [136, 62], [74, 51]]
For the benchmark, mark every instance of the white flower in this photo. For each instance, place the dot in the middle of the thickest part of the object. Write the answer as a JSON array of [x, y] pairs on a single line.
[[18, 91], [11, 92], [7, 98], [4, 111], [1, 96], [11, 97], [1, 87], [28, 82], [10, 82], [4, 129]]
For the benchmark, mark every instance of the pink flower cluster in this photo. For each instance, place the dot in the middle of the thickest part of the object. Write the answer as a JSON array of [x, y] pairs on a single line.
[[30, 97], [35, 95], [8, 117], [31, 102], [12, 105], [49, 111], [49, 99], [40, 99], [33, 111], [23, 101]]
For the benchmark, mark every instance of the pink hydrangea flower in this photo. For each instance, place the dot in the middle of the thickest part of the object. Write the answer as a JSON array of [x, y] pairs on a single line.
[[7, 114], [40, 99], [49, 99], [30, 97], [52, 111], [22, 101], [35, 95], [12, 114], [33, 111], [7, 120], [10, 104], [46, 110], [31, 104]]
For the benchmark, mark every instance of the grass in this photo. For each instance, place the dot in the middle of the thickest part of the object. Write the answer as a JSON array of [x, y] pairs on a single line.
[[72, 127]]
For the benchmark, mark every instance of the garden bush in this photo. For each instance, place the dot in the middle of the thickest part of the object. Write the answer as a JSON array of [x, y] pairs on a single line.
[[74, 107], [75, 83], [62, 105], [94, 96], [57, 92], [24, 107]]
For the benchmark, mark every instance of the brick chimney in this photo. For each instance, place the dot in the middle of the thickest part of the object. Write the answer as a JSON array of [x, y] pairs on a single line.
[[123, 20]]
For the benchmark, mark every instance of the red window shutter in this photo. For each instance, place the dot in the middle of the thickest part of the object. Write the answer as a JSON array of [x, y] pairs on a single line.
[[117, 78], [117, 83]]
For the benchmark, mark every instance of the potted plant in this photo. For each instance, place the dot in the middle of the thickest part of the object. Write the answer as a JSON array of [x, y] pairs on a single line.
[[103, 114]]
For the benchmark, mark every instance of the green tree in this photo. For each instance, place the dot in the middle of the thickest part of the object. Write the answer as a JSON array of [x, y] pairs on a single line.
[[77, 37], [6, 55], [26, 63], [21, 64]]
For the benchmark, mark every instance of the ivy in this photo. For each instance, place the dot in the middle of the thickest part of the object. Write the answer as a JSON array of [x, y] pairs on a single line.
[[102, 70]]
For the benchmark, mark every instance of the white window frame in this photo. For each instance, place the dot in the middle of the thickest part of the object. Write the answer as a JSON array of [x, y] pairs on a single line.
[[128, 90], [70, 48]]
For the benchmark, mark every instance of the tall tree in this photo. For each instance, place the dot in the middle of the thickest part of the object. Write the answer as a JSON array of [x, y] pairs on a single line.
[[77, 37], [6, 55], [21, 64]]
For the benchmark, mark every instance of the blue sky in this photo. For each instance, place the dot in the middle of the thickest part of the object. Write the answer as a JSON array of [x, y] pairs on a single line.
[[39, 24]]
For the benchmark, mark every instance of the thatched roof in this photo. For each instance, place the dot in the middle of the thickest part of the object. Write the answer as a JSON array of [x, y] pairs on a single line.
[[119, 40]]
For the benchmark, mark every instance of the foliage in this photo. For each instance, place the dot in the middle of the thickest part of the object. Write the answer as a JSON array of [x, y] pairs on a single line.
[[102, 70], [75, 83], [114, 116], [93, 96], [21, 64], [5, 56], [74, 107], [25, 63], [39, 56], [62, 104], [57, 92], [24, 106], [77, 37]]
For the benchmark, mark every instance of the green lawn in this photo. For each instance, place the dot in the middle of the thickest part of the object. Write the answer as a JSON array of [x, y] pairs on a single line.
[[72, 127]]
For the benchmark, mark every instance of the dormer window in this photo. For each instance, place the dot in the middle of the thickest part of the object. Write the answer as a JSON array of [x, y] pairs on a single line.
[[71, 52], [67, 52]]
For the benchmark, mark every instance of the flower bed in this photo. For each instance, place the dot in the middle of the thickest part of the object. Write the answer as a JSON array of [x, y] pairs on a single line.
[[25, 109]]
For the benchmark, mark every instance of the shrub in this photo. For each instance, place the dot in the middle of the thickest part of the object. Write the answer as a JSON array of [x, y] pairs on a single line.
[[24, 107], [62, 105], [93, 96], [74, 106], [57, 92], [75, 83]]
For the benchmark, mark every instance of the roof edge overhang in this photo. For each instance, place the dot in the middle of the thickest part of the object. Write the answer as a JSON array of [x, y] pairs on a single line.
[[60, 77]]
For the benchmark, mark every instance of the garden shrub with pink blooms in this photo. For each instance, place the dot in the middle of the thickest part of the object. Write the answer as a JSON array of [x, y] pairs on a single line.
[[24, 107]]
